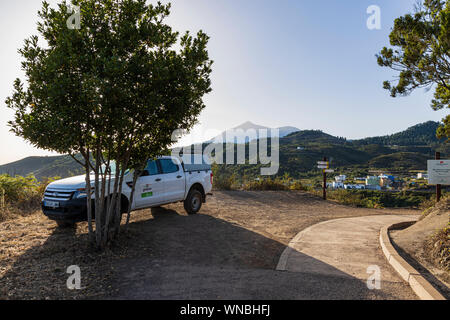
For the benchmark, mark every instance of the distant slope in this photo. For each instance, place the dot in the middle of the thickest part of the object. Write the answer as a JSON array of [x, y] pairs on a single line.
[[307, 137], [240, 132], [400, 160], [418, 135], [399, 153], [42, 167]]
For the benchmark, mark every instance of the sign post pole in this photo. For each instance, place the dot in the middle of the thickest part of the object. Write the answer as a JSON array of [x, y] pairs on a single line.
[[324, 182], [438, 186]]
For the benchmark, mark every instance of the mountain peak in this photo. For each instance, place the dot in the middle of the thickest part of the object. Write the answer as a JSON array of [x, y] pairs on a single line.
[[250, 125]]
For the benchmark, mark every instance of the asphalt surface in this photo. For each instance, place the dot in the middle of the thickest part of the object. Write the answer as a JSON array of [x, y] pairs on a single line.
[[215, 259], [348, 248]]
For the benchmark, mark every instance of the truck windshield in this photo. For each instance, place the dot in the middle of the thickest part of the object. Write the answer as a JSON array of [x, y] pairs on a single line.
[[112, 166]]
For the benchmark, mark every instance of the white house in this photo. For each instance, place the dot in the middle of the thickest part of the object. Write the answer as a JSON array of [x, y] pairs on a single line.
[[340, 178], [338, 185], [422, 175]]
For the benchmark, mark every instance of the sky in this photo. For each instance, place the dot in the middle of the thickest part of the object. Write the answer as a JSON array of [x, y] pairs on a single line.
[[308, 64]]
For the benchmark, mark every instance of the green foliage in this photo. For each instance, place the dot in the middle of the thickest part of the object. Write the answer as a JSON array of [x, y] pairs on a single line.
[[421, 134], [21, 194], [421, 54], [444, 130], [400, 161], [223, 181], [267, 184], [379, 199], [18, 188]]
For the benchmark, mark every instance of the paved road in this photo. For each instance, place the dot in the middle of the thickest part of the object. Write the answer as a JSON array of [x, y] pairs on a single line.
[[346, 248], [326, 261]]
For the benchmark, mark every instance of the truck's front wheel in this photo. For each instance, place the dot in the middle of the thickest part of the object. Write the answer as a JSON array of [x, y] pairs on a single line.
[[193, 202]]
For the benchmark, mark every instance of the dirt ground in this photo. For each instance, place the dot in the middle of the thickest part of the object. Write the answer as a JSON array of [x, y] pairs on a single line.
[[229, 250]]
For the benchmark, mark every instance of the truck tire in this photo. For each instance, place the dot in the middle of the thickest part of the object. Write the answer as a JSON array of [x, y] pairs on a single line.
[[193, 202]]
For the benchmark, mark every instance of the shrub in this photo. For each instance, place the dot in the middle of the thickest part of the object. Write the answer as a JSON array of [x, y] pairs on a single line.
[[224, 182], [297, 186], [20, 195], [380, 199], [440, 248], [266, 185]]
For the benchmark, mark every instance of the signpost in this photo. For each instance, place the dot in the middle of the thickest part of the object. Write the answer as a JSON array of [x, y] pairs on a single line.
[[325, 165], [438, 174]]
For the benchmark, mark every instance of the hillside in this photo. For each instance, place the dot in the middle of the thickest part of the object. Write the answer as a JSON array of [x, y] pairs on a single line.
[[400, 160], [240, 132], [42, 167], [419, 135], [299, 151]]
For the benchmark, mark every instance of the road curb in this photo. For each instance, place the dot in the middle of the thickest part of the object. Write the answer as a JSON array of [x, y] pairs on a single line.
[[423, 289]]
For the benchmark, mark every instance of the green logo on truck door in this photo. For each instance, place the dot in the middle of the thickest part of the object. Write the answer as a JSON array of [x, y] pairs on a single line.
[[147, 195]]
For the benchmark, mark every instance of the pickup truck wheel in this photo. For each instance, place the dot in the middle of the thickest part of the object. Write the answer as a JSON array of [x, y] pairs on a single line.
[[193, 202]]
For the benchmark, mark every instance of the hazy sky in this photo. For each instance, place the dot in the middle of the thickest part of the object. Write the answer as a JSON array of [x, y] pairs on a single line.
[[309, 64]]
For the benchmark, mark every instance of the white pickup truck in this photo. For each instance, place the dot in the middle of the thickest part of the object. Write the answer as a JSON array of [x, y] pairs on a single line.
[[165, 180]]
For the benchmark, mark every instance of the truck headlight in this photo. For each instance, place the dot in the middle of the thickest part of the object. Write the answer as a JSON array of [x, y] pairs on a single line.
[[80, 194]]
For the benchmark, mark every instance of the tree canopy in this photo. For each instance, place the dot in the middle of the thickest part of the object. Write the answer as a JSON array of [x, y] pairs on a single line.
[[421, 54]]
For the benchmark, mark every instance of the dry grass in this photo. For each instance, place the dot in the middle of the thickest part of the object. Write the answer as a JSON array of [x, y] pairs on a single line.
[[438, 245], [439, 248], [35, 254]]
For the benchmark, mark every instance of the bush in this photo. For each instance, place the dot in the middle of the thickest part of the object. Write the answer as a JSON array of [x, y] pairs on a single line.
[[224, 182], [20, 195], [266, 185], [381, 199], [297, 186], [440, 248]]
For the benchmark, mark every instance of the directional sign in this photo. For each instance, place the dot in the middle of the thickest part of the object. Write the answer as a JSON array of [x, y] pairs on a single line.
[[328, 171], [322, 166], [323, 163], [439, 172]]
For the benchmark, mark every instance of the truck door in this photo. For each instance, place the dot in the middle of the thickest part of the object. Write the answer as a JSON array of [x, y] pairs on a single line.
[[174, 179], [149, 186]]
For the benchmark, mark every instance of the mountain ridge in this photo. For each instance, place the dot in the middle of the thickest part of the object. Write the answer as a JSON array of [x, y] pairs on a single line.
[[298, 152]]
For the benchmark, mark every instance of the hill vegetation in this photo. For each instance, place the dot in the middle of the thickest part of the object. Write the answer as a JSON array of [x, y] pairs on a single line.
[[423, 134], [299, 151], [43, 167]]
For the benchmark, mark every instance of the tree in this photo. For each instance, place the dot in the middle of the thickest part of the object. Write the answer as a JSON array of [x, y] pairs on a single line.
[[422, 55], [113, 90]]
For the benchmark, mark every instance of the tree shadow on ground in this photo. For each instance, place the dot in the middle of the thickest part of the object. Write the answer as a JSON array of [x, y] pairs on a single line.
[[173, 256], [202, 257]]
